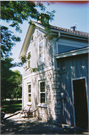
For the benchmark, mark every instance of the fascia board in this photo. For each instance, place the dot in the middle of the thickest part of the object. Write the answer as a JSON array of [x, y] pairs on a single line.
[[26, 41], [72, 53], [39, 25], [63, 33]]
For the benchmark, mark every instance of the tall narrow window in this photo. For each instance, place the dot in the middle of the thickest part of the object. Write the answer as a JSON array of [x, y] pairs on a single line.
[[41, 52], [29, 93], [29, 56], [37, 32], [42, 92]]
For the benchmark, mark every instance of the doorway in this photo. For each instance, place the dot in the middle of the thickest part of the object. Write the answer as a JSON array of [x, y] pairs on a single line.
[[80, 103]]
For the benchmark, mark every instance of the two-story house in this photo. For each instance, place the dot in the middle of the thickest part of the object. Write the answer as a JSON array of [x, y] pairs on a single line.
[[59, 89]]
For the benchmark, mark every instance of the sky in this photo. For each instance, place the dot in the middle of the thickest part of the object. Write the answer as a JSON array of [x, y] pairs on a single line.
[[66, 15]]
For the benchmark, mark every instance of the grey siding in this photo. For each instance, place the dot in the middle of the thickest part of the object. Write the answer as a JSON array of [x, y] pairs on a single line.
[[76, 67]]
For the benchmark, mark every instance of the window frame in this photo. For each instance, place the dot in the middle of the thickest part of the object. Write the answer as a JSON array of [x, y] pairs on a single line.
[[29, 60], [42, 104], [37, 33], [29, 92], [42, 52]]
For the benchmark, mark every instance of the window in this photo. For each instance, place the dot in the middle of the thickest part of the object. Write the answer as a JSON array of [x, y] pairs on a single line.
[[42, 92], [41, 59], [29, 56], [29, 93], [37, 32], [63, 66]]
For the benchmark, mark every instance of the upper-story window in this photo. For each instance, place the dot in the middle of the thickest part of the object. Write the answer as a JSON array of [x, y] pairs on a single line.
[[41, 52], [29, 60], [37, 32]]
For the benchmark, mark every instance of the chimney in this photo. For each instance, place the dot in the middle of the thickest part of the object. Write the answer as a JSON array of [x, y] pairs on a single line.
[[73, 27]]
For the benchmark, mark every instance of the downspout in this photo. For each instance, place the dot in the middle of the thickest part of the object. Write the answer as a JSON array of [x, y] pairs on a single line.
[[55, 40]]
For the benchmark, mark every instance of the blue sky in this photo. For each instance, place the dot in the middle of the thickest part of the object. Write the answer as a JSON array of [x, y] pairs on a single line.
[[66, 15]]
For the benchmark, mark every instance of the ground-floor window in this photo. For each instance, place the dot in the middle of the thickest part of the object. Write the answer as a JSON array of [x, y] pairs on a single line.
[[42, 92], [29, 92]]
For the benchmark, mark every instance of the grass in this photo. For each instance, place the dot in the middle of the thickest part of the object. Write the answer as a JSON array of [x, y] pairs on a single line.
[[11, 106]]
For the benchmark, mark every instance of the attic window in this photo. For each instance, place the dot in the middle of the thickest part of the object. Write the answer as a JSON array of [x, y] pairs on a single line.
[[41, 50], [29, 56], [37, 32]]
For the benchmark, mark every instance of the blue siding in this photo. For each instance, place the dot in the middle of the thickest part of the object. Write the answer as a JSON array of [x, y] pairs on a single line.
[[76, 67], [63, 48]]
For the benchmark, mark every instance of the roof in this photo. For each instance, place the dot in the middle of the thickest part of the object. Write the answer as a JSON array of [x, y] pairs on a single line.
[[82, 35], [79, 33]]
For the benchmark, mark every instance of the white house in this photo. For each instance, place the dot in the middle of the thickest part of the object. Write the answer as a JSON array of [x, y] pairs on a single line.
[[62, 61]]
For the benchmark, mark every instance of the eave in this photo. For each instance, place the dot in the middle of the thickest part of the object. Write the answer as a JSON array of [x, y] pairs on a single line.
[[55, 33], [26, 41]]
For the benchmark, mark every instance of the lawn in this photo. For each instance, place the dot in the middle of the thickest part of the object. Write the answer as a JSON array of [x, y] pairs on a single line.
[[11, 106]]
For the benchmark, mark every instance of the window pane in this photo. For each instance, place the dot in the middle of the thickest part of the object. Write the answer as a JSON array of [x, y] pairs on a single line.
[[29, 97], [42, 87], [29, 88], [42, 96], [41, 57], [41, 47], [37, 32]]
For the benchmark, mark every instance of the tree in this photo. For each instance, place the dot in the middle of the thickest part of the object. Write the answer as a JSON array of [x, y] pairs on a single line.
[[17, 80], [15, 12]]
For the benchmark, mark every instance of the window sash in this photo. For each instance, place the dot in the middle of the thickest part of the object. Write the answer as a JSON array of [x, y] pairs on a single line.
[[42, 97], [29, 93], [29, 60], [42, 92], [37, 32], [41, 50]]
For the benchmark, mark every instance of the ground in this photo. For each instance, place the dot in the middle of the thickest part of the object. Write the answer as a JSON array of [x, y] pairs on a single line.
[[20, 125]]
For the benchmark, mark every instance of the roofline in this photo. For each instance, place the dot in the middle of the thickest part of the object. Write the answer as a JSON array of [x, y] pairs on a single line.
[[31, 28], [73, 53], [26, 40], [61, 30]]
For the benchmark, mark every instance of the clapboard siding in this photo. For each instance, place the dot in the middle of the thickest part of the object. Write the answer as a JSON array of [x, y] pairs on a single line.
[[76, 67]]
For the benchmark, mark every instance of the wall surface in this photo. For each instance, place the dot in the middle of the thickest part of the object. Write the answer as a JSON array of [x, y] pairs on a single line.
[[34, 49], [51, 109], [75, 67]]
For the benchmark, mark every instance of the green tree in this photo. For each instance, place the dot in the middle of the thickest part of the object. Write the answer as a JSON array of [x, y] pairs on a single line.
[[17, 90], [15, 12]]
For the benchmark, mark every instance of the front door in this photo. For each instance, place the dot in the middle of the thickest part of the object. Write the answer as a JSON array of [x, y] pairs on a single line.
[[80, 103]]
